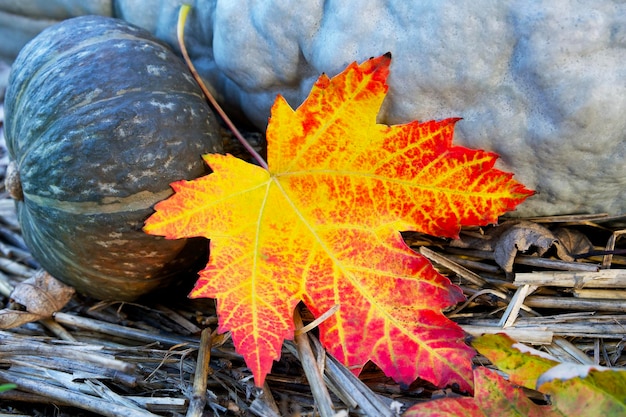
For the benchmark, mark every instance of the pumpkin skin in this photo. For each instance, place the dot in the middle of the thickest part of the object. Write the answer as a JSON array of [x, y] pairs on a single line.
[[100, 119]]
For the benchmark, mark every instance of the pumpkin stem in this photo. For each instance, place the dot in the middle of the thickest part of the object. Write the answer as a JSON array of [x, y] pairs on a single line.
[[180, 31], [12, 182]]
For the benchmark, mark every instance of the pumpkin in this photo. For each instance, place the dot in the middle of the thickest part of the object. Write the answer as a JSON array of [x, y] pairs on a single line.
[[100, 119]]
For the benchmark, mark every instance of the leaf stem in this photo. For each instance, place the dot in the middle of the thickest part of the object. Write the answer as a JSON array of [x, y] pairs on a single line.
[[180, 32]]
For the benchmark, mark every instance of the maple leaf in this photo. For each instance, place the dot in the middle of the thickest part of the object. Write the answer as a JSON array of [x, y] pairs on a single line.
[[523, 364], [494, 397], [322, 225], [573, 389]]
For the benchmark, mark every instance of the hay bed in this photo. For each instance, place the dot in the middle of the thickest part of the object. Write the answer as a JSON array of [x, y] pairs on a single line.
[[152, 357]]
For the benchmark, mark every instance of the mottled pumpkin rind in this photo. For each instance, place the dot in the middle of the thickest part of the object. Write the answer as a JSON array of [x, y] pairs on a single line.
[[100, 119]]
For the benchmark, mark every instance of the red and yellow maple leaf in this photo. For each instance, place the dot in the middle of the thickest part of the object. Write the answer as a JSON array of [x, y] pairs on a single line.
[[322, 225]]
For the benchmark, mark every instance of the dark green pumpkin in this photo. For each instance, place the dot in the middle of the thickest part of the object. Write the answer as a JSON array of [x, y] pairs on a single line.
[[100, 119]]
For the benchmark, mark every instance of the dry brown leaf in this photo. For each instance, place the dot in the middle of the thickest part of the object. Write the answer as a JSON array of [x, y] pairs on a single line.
[[509, 238], [574, 241], [38, 297], [15, 318], [527, 237]]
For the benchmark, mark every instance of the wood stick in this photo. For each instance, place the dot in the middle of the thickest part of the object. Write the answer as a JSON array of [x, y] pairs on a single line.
[[530, 260], [602, 294], [534, 336], [5, 286], [160, 404], [570, 218], [268, 398], [610, 246], [198, 398], [58, 330], [369, 405], [512, 311], [74, 353], [573, 351], [262, 409], [15, 268], [312, 372], [606, 327], [179, 319], [571, 303], [604, 278], [78, 400], [50, 365], [456, 268], [122, 331]]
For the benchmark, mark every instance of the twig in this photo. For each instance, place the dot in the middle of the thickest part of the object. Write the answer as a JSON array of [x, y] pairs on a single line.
[[535, 336], [575, 325], [52, 367], [581, 304], [474, 296], [602, 294], [604, 278], [198, 399], [178, 319], [610, 246], [123, 331], [15, 268], [75, 399], [570, 218], [76, 353], [454, 267], [268, 398], [180, 30], [512, 311], [104, 392], [5, 286], [58, 330], [318, 320], [262, 409], [369, 403], [531, 260], [160, 404], [572, 350], [312, 372]]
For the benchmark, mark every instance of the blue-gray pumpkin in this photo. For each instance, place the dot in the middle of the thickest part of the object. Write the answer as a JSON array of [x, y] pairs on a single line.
[[100, 119]]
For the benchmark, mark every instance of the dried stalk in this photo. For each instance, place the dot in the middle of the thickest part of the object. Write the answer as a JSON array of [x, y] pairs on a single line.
[[262, 409], [530, 329], [534, 336], [610, 246], [75, 399], [572, 350], [604, 278], [198, 399], [58, 330], [570, 303], [602, 294], [370, 404], [122, 331], [530, 260], [179, 319], [512, 311], [311, 370], [75, 353], [454, 267]]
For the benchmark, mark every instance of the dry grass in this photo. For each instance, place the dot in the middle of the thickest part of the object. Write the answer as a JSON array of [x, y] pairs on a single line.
[[161, 356]]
